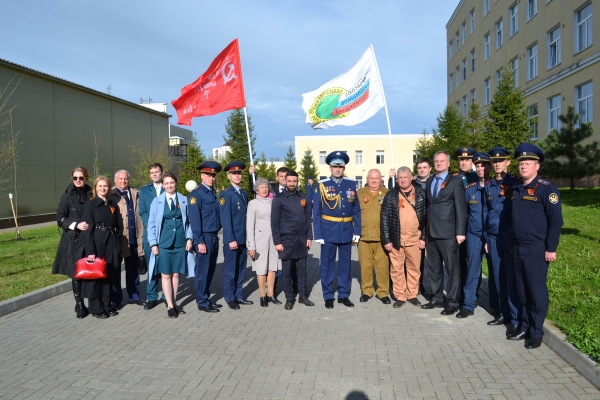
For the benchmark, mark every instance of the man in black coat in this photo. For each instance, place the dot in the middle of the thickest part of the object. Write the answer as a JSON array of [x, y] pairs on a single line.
[[446, 230], [292, 235]]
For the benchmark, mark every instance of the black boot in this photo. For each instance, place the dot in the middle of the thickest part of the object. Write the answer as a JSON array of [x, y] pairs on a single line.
[[80, 308]]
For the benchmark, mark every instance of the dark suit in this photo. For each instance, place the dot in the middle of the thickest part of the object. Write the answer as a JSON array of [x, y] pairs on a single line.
[[446, 218]]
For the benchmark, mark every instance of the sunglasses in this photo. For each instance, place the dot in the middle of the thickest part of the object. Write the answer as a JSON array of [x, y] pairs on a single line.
[[79, 178]]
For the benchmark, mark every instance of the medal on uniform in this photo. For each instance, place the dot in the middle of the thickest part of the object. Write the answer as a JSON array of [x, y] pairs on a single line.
[[238, 203]]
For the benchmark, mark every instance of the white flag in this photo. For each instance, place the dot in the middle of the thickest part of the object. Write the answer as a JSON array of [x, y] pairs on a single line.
[[348, 99]]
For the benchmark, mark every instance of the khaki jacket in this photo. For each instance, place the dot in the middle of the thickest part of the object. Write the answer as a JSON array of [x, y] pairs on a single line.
[[139, 226], [370, 209]]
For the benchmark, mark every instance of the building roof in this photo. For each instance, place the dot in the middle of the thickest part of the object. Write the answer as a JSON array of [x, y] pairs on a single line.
[[78, 86], [456, 10]]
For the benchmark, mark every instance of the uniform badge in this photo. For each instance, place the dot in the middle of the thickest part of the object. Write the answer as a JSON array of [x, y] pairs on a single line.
[[192, 201], [553, 198], [222, 201]]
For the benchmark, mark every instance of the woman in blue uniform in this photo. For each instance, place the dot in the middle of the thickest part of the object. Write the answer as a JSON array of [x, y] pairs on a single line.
[[170, 238]]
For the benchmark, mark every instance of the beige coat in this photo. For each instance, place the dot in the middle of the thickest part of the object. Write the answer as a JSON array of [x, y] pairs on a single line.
[[139, 226], [259, 236], [370, 209]]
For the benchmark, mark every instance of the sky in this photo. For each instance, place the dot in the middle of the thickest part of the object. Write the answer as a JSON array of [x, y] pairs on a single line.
[[150, 49]]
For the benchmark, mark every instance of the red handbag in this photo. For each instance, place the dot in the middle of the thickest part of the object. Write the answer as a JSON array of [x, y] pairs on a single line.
[[91, 270]]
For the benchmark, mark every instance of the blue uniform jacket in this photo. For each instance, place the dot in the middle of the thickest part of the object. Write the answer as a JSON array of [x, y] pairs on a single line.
[[344, 205], [476, 208], [147, 194], [204, 213], [536, 214], [470, 177], [155, 222], [499, 206], [232, 209]]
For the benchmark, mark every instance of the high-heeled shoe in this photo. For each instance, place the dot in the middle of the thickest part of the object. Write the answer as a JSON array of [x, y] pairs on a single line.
[[172, 313], [273, 300], [264, 302]]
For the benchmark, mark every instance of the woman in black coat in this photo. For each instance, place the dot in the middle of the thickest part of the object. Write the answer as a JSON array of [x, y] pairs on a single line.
[[69, 218], [102, 240]]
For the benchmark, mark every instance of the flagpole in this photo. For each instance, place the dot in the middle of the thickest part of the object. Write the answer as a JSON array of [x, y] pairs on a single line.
[[387, 116], [249, 144]]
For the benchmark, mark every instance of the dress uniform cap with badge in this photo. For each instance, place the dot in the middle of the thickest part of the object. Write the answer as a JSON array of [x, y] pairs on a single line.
[[337, 159], [235, 166], [529, 151], [498, 154], [465, 152], [209, 167], [480, 157]]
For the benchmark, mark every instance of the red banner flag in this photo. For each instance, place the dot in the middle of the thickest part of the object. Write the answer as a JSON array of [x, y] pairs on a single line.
[[218, 89]]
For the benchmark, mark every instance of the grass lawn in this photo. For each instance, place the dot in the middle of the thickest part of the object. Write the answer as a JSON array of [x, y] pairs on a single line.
[[26, 265]]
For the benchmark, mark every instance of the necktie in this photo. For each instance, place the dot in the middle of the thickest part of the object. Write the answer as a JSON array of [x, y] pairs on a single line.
[[280, 189], [437, 187], [172, 205]]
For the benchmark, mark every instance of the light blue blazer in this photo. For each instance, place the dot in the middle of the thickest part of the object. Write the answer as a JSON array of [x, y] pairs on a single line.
[[157, 209]]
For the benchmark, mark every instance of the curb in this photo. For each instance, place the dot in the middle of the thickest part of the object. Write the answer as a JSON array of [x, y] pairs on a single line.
[[31, 298], [555, 339]]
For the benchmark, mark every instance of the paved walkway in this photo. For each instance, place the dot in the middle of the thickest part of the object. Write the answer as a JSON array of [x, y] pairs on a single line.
[[370, 351]]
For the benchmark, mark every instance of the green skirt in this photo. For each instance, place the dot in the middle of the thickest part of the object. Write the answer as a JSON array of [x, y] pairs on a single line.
[[171, 261]]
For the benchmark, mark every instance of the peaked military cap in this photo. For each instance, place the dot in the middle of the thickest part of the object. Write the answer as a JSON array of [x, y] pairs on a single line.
[[337, 158], [465, 152], [209, 167], [235, 166], [480, 157], [529, 151], [498, 153]]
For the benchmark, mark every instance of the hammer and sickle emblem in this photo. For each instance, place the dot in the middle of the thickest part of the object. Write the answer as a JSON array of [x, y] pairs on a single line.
[[228, 74]]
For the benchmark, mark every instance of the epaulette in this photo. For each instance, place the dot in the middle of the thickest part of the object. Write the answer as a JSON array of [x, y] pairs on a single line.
[[456, 174], [543, 182], [348, 179], [470, 185], [324, 180], [147, 184], [226, 189]]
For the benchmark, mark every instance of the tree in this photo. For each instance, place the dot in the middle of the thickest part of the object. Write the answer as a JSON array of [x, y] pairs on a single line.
[[263, 169], [290, 160], [508, 119], [139, 175], [566, 157], [189, 170], [9, 139], [237, 139], [308, 167]]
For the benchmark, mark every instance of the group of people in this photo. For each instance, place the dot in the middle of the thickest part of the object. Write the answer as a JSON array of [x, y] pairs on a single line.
[[427, 235]]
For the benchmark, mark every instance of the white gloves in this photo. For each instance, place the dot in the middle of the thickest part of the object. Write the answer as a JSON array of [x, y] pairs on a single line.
[[355, 238], [320, 241]]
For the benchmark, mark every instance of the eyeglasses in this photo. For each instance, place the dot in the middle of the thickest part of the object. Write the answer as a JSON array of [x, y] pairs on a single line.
[[78, 178]]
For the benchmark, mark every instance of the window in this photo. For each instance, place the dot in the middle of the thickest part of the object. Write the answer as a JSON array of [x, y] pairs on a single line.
[[464, 106], [486, 92], [498, 77], [457, 105], [486, 47], [457, 76], [473, 96], [583, 28], [450, 52], [531, 9], [379, 157], [359, 182], [322, 157], [450, 83], [513, 14], [584, 102], [464, 69], [554, 48], [486, 7], [514, 65], [499, 34], [463, 29], [358, 157], [457, 42], [533, 121], [415, 156], [472, 21], [532, 62], [472, 60], [553, 113]]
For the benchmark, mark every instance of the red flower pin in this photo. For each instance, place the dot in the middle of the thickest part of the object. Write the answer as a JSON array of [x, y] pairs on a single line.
[[303, 202], [366, 199], [112, 209], [443, 185]]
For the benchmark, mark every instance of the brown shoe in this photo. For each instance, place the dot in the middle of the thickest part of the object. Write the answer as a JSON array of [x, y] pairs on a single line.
[[414, 302], [398, 303]]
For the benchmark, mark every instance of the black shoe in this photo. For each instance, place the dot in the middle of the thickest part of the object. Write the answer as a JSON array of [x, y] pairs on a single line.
[[102, 315], [116, 306], [179, 309], [531, 344], [431, 305], [112, 311], [245, 302], [289, 304], [464, 313], [306, 302], [329, 303], [81, 310], [264, 302], [172, 313], [385, 300], [150, 304], [497, 321], [346, 302], [209, 308], [398, 303], [414, 302], [364, 298], [517, 335], [273, 300], [448, 311], [511, 329], [215, 305], [233, 305], [136, 302]]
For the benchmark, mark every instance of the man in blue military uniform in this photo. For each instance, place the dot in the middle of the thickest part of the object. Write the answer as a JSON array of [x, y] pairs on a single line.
[[476, 216], [337, 225], [204, 219], [536, 222], [233, 202], [148, 193], [504, 297]]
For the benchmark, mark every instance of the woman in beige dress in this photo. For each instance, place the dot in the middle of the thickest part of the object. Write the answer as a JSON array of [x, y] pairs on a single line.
[[261, 248]]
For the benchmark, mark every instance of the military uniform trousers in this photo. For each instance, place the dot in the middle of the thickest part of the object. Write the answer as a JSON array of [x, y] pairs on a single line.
[[344, 277], [406, 282], [504, 295], [371, 255], [472, 277], [153, 281], [234, 270], [531, 271], [204, 269], [293, 274]]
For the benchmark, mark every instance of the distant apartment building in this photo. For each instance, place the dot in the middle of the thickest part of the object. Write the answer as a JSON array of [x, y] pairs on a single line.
[[547, 43], [219, 153]]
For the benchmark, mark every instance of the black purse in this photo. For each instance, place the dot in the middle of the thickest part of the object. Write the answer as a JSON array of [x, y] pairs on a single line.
[[142, 266]]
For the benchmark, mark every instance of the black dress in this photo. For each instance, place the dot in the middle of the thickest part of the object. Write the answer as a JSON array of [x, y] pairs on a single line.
[[102, 239]]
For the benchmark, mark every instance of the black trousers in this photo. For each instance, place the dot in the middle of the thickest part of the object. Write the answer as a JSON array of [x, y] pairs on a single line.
[[443, 253], [290, 268]]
